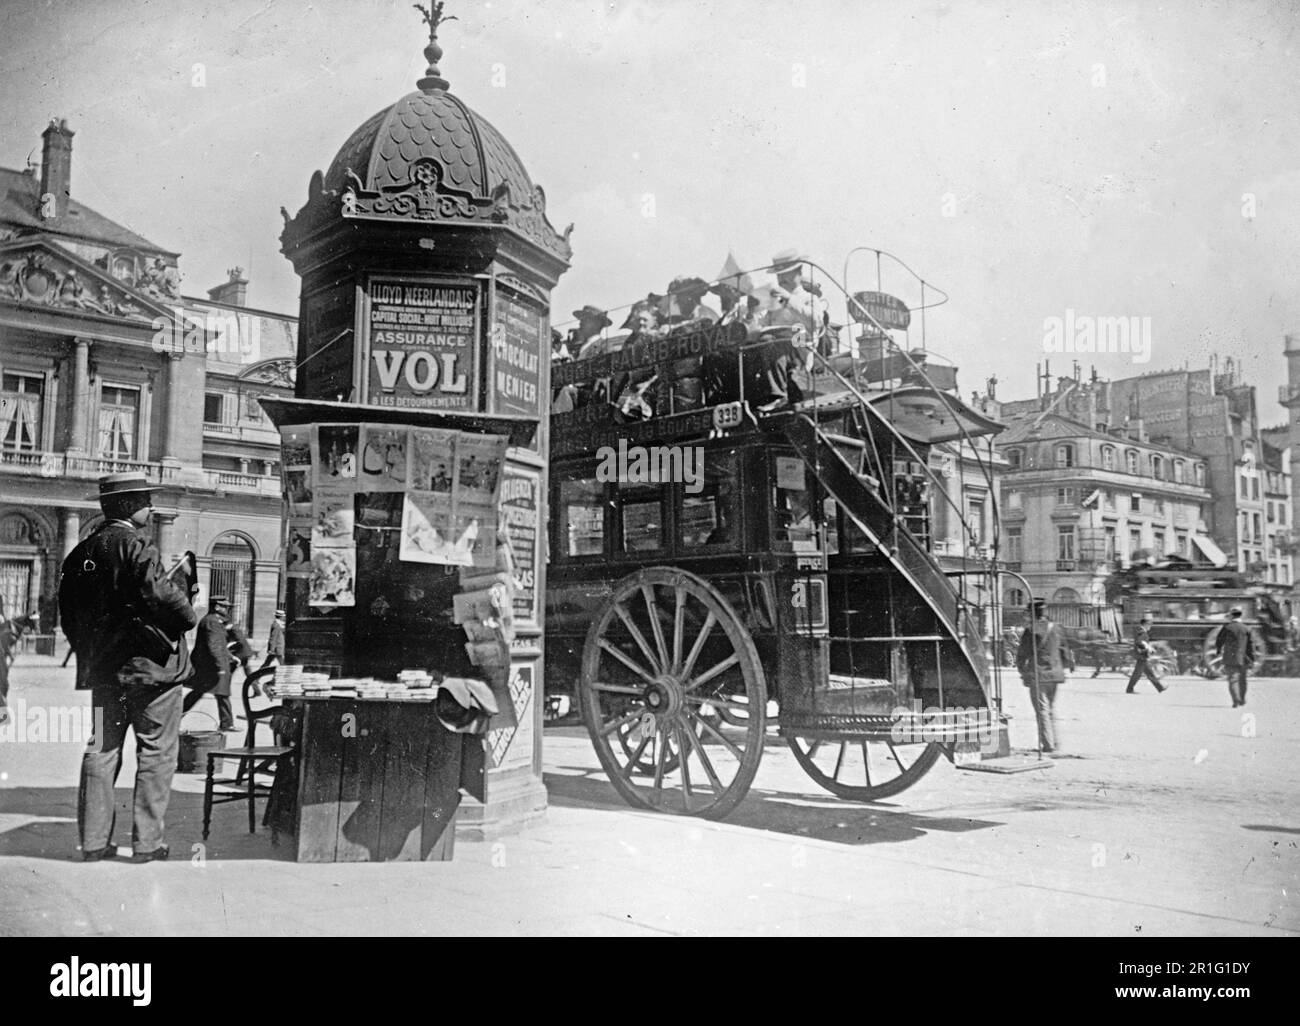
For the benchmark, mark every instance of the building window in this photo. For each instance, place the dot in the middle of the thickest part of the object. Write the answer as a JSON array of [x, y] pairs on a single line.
[[1254, 487], [1259, 530], [1200, 475], [1108, 500], [1067, 496], [1281, 513], [1131, 461], [1065, 544], [1157, 468], [1244, 488], [1065, 455], [1015, 597], [1110, 543], [21, 406], [119, 415], [1179, 470], [1269, 514], [1013, 500], [1107, 457], [1014, 458], [1015, 545], [214, 408], [1134, 540], [1135, 503], [1181, 541], [1158, 505], [1158, 542], [975, 518]]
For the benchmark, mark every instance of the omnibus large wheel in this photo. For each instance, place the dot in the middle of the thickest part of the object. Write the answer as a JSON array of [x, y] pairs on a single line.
[[663, 657], [864, 771]]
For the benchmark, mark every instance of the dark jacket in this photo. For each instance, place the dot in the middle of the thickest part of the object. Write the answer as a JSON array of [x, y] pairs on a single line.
[[212, 658], [1234, 643], [1042, 644], [1141, 641], [123, 617], [275, 643]]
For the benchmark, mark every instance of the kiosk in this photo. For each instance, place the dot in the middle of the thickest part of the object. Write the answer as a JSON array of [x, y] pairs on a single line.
[[415, 466]]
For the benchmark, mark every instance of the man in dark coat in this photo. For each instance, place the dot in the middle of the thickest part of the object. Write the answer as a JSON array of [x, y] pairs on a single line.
[[214, 660], [1141, 653], [126, 622], [275, 642], [1237, 649], [1041, 662]]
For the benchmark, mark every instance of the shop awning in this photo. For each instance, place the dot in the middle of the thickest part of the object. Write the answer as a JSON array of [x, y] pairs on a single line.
[[1210, 550]]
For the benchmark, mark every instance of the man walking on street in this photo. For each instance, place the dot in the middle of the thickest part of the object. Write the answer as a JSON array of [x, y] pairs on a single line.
[[1041, 662], [1142, 652], [1237, 649], [126, 623], [213, 661], [275, 643]]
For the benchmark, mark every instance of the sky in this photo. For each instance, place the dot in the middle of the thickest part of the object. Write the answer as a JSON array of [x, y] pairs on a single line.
[[1033, 160]]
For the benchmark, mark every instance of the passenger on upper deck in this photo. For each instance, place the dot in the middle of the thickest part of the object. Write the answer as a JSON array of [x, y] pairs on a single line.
[[802, 303], [684, 302], [591, 322]]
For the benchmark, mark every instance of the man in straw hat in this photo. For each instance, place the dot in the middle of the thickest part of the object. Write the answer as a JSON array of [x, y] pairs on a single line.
[[1041, 662], [591, 322], [1142, 651], [126, 621]]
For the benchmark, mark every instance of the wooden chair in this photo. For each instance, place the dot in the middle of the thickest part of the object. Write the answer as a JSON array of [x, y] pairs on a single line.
[[251, 758]]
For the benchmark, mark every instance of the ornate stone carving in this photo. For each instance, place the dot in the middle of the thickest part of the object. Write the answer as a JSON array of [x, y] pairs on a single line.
[[425, 196], [35, 277], [280, 373]]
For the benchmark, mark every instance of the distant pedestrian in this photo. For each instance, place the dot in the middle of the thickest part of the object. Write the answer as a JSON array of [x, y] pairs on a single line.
[[1237, 649], [213, 661], [1142, 652], [275, 643], [1041, 662]]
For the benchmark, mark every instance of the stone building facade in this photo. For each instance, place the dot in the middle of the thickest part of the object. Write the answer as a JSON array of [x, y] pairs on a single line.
[[104, 367]]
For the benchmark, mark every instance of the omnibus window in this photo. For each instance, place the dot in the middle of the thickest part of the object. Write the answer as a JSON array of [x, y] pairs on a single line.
[[793, 524], [582, 517], [709, 517], [643, 521]]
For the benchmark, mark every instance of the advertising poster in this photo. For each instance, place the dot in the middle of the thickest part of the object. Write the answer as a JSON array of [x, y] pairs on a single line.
[[334, 516], [422, 344], [478, 468], [427, 528], [296, 469], [333, 577], [298, 549], [519, 510], [520, 337], [432, 460], [337, 445], [383, 459]]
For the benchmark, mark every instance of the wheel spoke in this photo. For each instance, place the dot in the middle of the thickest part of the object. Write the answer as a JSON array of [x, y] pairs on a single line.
[[661, 744], [626, 660], [726, 664], [631, 764], [839, 761], [618, 689], [717, 703], [709, 621], [682, 752], [679, 626], [866, 763], [656, 627], [614, 725], [705, 762], [725, 741], [635, 631], [894, 753]]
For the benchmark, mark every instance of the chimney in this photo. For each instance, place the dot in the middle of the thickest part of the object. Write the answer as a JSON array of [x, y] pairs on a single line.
[[56, 170], [233, 292]]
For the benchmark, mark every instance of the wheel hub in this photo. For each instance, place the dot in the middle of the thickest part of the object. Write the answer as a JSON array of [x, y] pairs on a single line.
[[664, 697]]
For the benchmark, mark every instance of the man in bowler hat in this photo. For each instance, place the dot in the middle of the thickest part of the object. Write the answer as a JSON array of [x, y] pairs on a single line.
[[1237, 649], [126, 621]]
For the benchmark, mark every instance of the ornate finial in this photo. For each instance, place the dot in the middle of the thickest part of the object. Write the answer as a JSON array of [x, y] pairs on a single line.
[[433, 17]]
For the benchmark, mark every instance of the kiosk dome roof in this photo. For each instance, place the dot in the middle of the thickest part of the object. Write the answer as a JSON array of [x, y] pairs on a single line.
[[436, 125]]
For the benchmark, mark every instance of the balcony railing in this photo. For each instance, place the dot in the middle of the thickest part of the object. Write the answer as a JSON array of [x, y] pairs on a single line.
[[1065, 565], [228, 480], [57, 464]]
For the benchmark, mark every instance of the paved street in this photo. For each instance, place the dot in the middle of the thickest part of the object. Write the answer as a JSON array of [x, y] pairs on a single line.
[[1176, 815]]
